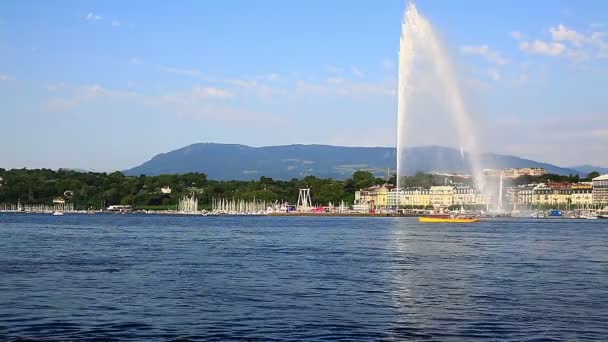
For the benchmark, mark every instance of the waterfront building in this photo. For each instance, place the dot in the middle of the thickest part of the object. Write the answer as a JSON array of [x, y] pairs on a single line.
[[515, 172], [600, 190], [466, 195], [442, 196], [575, 195], [522, 194], [376, 196], [394, 197], [555, 194], [436, 196], [416, 197], [582, 195]]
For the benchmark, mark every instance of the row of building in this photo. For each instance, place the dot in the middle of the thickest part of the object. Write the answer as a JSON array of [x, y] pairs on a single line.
[[578, 195], [574, 195], [386, 196]]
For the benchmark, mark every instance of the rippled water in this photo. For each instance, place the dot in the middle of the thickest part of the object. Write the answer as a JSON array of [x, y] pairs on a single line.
[[78, 277]]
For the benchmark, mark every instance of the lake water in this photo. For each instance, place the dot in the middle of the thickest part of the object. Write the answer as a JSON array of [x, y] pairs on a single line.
[[132, 277]]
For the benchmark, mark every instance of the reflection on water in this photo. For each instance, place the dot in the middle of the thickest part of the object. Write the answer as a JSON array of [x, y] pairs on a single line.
[[162, 278]]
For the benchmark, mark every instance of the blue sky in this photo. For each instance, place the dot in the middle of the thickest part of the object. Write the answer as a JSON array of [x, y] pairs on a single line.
[[108, 84]]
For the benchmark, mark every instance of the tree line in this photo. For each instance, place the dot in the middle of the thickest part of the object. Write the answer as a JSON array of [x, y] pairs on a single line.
[[94, 190]]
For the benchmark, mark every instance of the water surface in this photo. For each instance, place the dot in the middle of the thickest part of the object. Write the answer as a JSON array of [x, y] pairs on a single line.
[[132, 277]]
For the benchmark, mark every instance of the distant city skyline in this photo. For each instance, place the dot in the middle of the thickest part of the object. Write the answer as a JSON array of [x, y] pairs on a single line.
[[107, 85]]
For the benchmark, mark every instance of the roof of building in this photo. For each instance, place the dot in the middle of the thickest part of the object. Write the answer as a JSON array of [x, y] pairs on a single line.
[[602, 177]]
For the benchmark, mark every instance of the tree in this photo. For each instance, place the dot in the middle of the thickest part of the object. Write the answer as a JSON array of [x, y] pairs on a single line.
[[363, 179], [592, 175]]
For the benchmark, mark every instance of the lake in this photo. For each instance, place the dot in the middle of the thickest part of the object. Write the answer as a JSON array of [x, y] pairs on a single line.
[[147, 277]]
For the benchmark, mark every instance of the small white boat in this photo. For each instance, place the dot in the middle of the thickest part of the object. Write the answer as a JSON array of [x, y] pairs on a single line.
[[589, 217], [57, 213]]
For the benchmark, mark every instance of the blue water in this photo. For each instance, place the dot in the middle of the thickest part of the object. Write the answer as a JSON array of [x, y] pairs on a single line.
[[130, 277]]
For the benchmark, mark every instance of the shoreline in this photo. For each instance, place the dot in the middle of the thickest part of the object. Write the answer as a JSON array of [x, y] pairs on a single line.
[[171, 213]]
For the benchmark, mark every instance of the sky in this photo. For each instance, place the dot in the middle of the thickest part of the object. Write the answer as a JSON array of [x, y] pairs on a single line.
[[106, 85]]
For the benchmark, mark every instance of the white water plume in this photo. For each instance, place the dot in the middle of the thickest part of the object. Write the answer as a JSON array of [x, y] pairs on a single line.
[[420, 43]]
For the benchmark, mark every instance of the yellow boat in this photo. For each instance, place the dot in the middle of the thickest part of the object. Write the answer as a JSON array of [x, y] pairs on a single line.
[[447, 219]]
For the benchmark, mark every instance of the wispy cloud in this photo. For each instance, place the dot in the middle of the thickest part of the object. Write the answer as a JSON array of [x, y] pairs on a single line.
[[211, 92], [115, 23], [484, 51], [494, 74], [356, 71], [181, 71], [273, 77], [93, 17], [135, 60], [338, 86], [516, 35], [211, 103], [260, 89], [5, 77], [567, 42], [81, 95], [195, 95], [539, 47], [562, 33]]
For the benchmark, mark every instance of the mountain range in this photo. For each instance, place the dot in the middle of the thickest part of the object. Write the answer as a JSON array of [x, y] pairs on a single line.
[[240, 162], [585, 169]]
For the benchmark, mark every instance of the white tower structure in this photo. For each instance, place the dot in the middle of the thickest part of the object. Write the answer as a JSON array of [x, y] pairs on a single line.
[[304, 202]]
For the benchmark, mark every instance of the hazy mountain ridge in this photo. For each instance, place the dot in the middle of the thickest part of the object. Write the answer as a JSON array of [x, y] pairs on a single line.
[[585, 169], [233, 161]]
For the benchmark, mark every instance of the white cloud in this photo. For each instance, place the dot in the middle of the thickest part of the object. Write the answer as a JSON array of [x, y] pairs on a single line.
[[335, 80], [273, 77], [356, 71], [82, 95], [115, 23], [539, 47], [516, 35], [337, 86], [485, 52], [562, 33], [260, 89], [494, 74], [211, 92], [567, 42], [93, 17], [179, 71], [5, 78], [135, 60], [97, 91], [196, 95]]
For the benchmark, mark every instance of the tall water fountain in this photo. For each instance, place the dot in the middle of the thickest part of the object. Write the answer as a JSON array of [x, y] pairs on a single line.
[[419, 42]]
